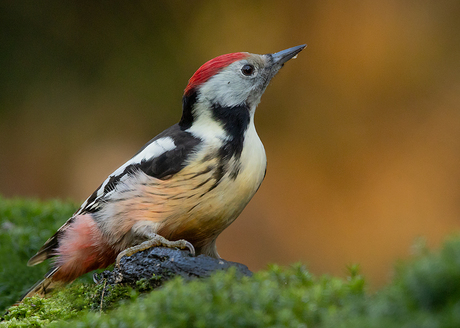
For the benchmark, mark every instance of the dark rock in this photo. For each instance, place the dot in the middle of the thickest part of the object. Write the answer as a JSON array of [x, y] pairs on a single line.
[[159, 264]]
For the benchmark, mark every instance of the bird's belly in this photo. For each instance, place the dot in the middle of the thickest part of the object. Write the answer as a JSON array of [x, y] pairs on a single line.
[[205, 213], [212, 204]]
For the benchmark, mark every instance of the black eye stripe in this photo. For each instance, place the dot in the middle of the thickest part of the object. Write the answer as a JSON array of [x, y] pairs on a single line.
[[247, 70]]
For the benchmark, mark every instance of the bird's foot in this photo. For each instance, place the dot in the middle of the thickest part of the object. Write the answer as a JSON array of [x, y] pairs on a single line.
[[156, 241]]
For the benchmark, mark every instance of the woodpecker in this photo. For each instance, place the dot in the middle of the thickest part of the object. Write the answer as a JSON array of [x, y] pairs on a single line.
[[185, 186]]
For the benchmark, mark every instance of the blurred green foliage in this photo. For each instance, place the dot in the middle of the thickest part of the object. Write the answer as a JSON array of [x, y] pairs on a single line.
[[425, 291], [24, 226]]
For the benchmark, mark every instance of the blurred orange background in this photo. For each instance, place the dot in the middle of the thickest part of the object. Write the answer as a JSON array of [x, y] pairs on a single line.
[[362, 130]]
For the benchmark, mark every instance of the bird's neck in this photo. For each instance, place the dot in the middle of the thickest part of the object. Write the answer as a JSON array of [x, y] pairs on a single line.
[[206, 117]]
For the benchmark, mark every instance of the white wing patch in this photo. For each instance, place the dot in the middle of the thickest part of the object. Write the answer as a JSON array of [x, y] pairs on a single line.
[[154, 149]]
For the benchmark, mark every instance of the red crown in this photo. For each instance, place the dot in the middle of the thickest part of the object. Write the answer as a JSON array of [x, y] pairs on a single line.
[[211, 67]]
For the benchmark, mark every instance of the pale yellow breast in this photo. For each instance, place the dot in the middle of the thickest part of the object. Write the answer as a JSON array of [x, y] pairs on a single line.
[[204, 214]]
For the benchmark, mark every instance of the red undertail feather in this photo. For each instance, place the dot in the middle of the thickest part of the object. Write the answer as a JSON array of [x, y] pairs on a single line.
[[81, 249], [211, 67]]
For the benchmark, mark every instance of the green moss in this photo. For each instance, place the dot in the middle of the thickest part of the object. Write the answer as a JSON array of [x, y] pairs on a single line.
[[24, 226], [67, 303], [38, 312], [276, 297], [425, 291], [105, 297]]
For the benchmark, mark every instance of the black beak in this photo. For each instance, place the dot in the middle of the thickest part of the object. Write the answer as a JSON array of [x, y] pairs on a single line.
[[279, 58]]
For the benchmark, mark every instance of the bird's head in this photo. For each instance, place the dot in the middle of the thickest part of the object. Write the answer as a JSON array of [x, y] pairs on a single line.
[[231, 81]]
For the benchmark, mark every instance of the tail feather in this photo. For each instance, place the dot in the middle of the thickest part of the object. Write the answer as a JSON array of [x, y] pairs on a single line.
[[38, 258], [48, 249], [44, 286]]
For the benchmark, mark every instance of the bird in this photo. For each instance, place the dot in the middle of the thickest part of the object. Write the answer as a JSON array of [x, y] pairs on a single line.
[[182, 188]]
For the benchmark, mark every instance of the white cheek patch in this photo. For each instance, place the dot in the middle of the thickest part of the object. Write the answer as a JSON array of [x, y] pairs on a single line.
[[205, 126]]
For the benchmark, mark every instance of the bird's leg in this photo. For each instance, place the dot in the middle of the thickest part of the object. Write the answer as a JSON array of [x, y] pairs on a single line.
[[155, 241]]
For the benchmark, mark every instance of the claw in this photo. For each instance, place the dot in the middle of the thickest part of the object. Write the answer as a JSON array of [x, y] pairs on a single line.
[[126, 252], [190, 248], [96, 278]]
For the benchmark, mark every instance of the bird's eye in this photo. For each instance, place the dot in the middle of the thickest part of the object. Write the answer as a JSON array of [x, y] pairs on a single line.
[[247, 70]]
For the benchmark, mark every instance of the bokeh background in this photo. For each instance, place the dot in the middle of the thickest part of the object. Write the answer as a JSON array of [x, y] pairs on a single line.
[[362, 130]]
